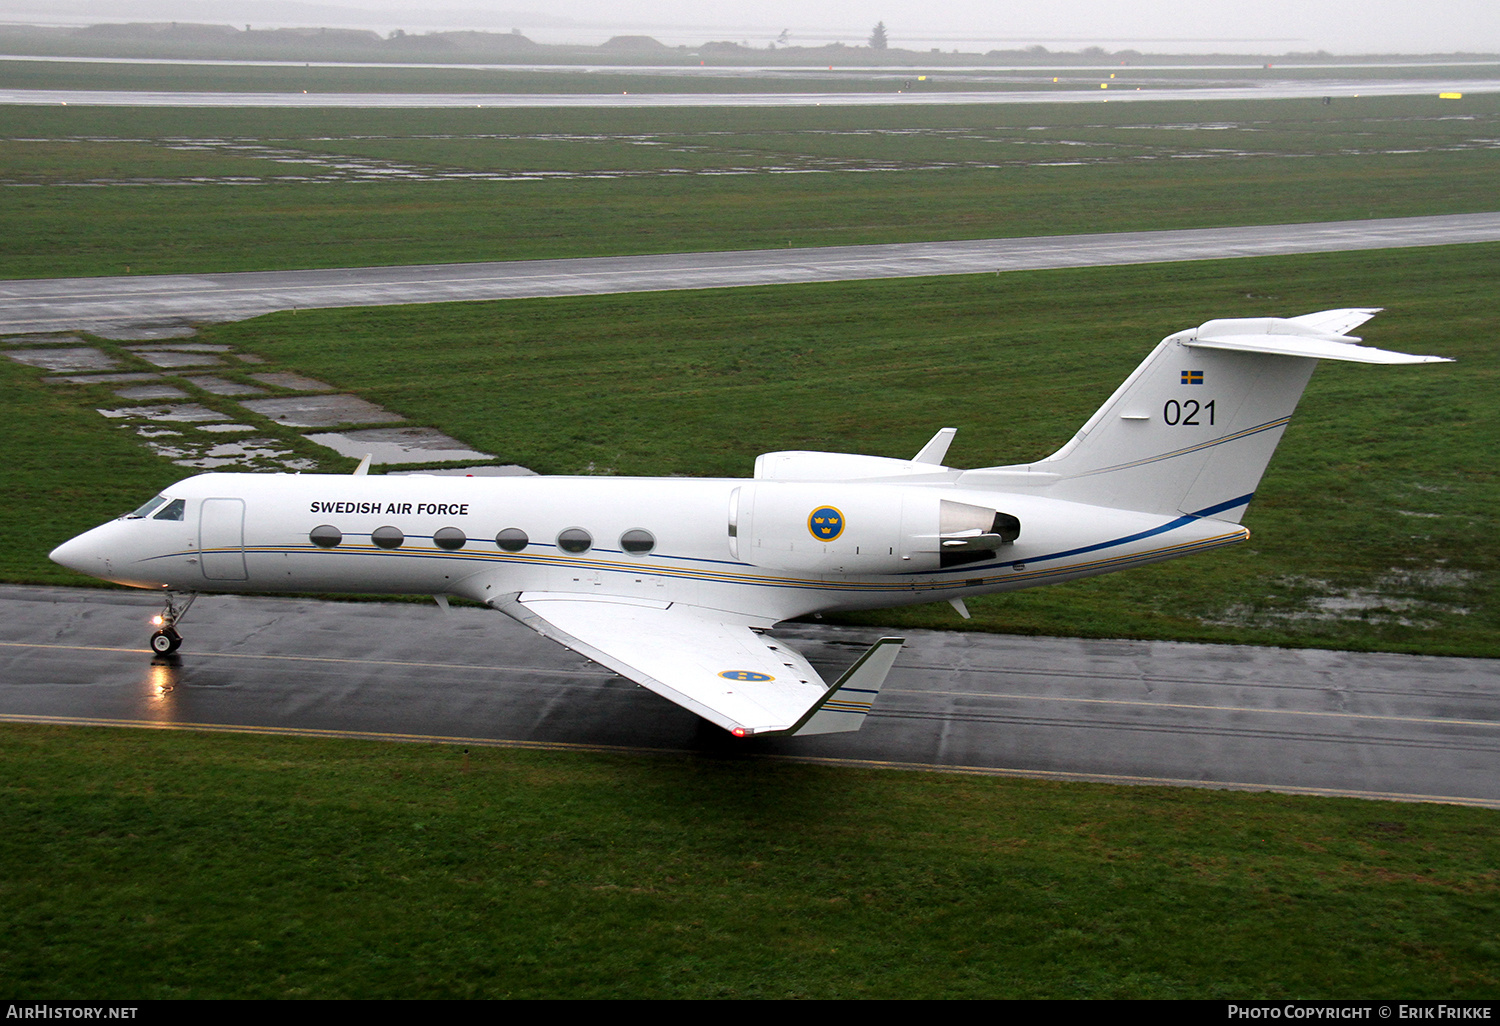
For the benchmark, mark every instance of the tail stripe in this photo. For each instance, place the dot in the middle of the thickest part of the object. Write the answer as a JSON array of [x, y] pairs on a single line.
[[1127, 539]]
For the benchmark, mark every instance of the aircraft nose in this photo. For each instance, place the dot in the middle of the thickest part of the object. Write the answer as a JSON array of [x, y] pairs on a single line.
[[81, 554]]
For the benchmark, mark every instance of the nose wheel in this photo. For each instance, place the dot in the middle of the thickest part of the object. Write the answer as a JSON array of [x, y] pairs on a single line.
[[166, 640]]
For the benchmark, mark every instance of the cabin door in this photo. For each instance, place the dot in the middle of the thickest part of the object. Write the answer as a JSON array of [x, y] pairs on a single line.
[[221, 540]]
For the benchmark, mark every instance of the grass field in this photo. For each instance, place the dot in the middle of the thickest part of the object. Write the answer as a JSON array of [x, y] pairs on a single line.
[[167, 865], [237, 189]]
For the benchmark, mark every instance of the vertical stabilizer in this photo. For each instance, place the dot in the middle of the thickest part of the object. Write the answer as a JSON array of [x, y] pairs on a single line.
[[1192, 429]]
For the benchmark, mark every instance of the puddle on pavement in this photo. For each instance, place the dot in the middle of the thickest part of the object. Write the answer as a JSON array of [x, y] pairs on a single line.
[[320, 410], [185, 413], [241, 454], [399, 445]]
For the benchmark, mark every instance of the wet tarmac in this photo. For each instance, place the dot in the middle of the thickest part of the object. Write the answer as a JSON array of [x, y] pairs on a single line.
[[1314, 722], [107, 304]]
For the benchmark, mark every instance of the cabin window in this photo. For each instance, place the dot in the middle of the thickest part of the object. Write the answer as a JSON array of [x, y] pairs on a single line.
[[637, 542], [575, 539], [172, 510], [325, 536], [512, 539], [449, 538], [388, 537]]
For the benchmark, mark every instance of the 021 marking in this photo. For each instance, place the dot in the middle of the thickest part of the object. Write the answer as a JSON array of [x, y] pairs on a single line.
[[1186, 413]]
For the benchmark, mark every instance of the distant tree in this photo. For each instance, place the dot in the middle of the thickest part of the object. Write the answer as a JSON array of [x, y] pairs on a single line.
[[877, 38]]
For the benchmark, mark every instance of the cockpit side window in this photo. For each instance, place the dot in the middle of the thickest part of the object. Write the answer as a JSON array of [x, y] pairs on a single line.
[[172, 510], [145, 511]]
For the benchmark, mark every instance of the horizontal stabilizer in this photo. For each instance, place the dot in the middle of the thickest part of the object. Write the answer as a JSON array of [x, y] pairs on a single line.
[[1330, 324], [1320, 348]]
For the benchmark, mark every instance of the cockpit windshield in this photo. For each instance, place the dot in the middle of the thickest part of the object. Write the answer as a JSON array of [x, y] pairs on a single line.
[[147, 509], [163, 508]]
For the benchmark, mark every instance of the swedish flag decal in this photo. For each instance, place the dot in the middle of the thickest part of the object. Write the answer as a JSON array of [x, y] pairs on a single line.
[[1192, 377], [825, 523]]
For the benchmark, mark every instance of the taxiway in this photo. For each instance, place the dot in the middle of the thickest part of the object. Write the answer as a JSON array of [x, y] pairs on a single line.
[[62, 304], [1300, 721]]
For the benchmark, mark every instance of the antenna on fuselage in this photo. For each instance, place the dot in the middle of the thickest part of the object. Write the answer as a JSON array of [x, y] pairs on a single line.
[[364, 465]]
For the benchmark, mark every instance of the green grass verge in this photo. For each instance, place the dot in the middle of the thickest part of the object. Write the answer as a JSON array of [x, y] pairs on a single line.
[[1371, 531], [211, 190], [175, 865]]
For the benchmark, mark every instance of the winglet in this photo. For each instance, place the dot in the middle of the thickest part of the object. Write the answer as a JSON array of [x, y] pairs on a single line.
[[848, 702]]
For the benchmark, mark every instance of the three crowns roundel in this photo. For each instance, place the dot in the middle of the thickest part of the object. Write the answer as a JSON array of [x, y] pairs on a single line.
[[826, 523]]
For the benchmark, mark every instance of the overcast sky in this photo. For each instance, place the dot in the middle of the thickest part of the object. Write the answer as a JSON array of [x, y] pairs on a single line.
[[1187, 26]]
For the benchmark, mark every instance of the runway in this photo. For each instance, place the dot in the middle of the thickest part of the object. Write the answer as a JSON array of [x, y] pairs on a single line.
[[1313, 722], [60, 304], [1119, 93]]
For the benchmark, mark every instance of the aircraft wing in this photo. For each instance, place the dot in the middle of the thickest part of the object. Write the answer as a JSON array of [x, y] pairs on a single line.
[[708, 661]]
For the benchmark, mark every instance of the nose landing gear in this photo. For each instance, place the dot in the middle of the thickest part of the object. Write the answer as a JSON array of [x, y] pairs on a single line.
[[166, 640]]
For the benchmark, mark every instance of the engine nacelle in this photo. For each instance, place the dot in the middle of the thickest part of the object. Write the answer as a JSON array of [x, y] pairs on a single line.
[[848, 527]]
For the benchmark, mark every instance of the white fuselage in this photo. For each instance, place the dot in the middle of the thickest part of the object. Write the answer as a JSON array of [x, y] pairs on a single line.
[[740, 545]]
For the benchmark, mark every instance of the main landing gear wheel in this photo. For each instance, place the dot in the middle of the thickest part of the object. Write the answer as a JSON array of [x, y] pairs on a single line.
[[166, 642]]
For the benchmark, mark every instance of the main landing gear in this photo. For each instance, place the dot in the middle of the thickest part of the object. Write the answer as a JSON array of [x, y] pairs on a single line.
[[166, 640]]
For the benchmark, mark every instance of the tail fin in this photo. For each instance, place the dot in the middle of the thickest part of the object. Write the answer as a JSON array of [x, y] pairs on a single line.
[[1191, 431]]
